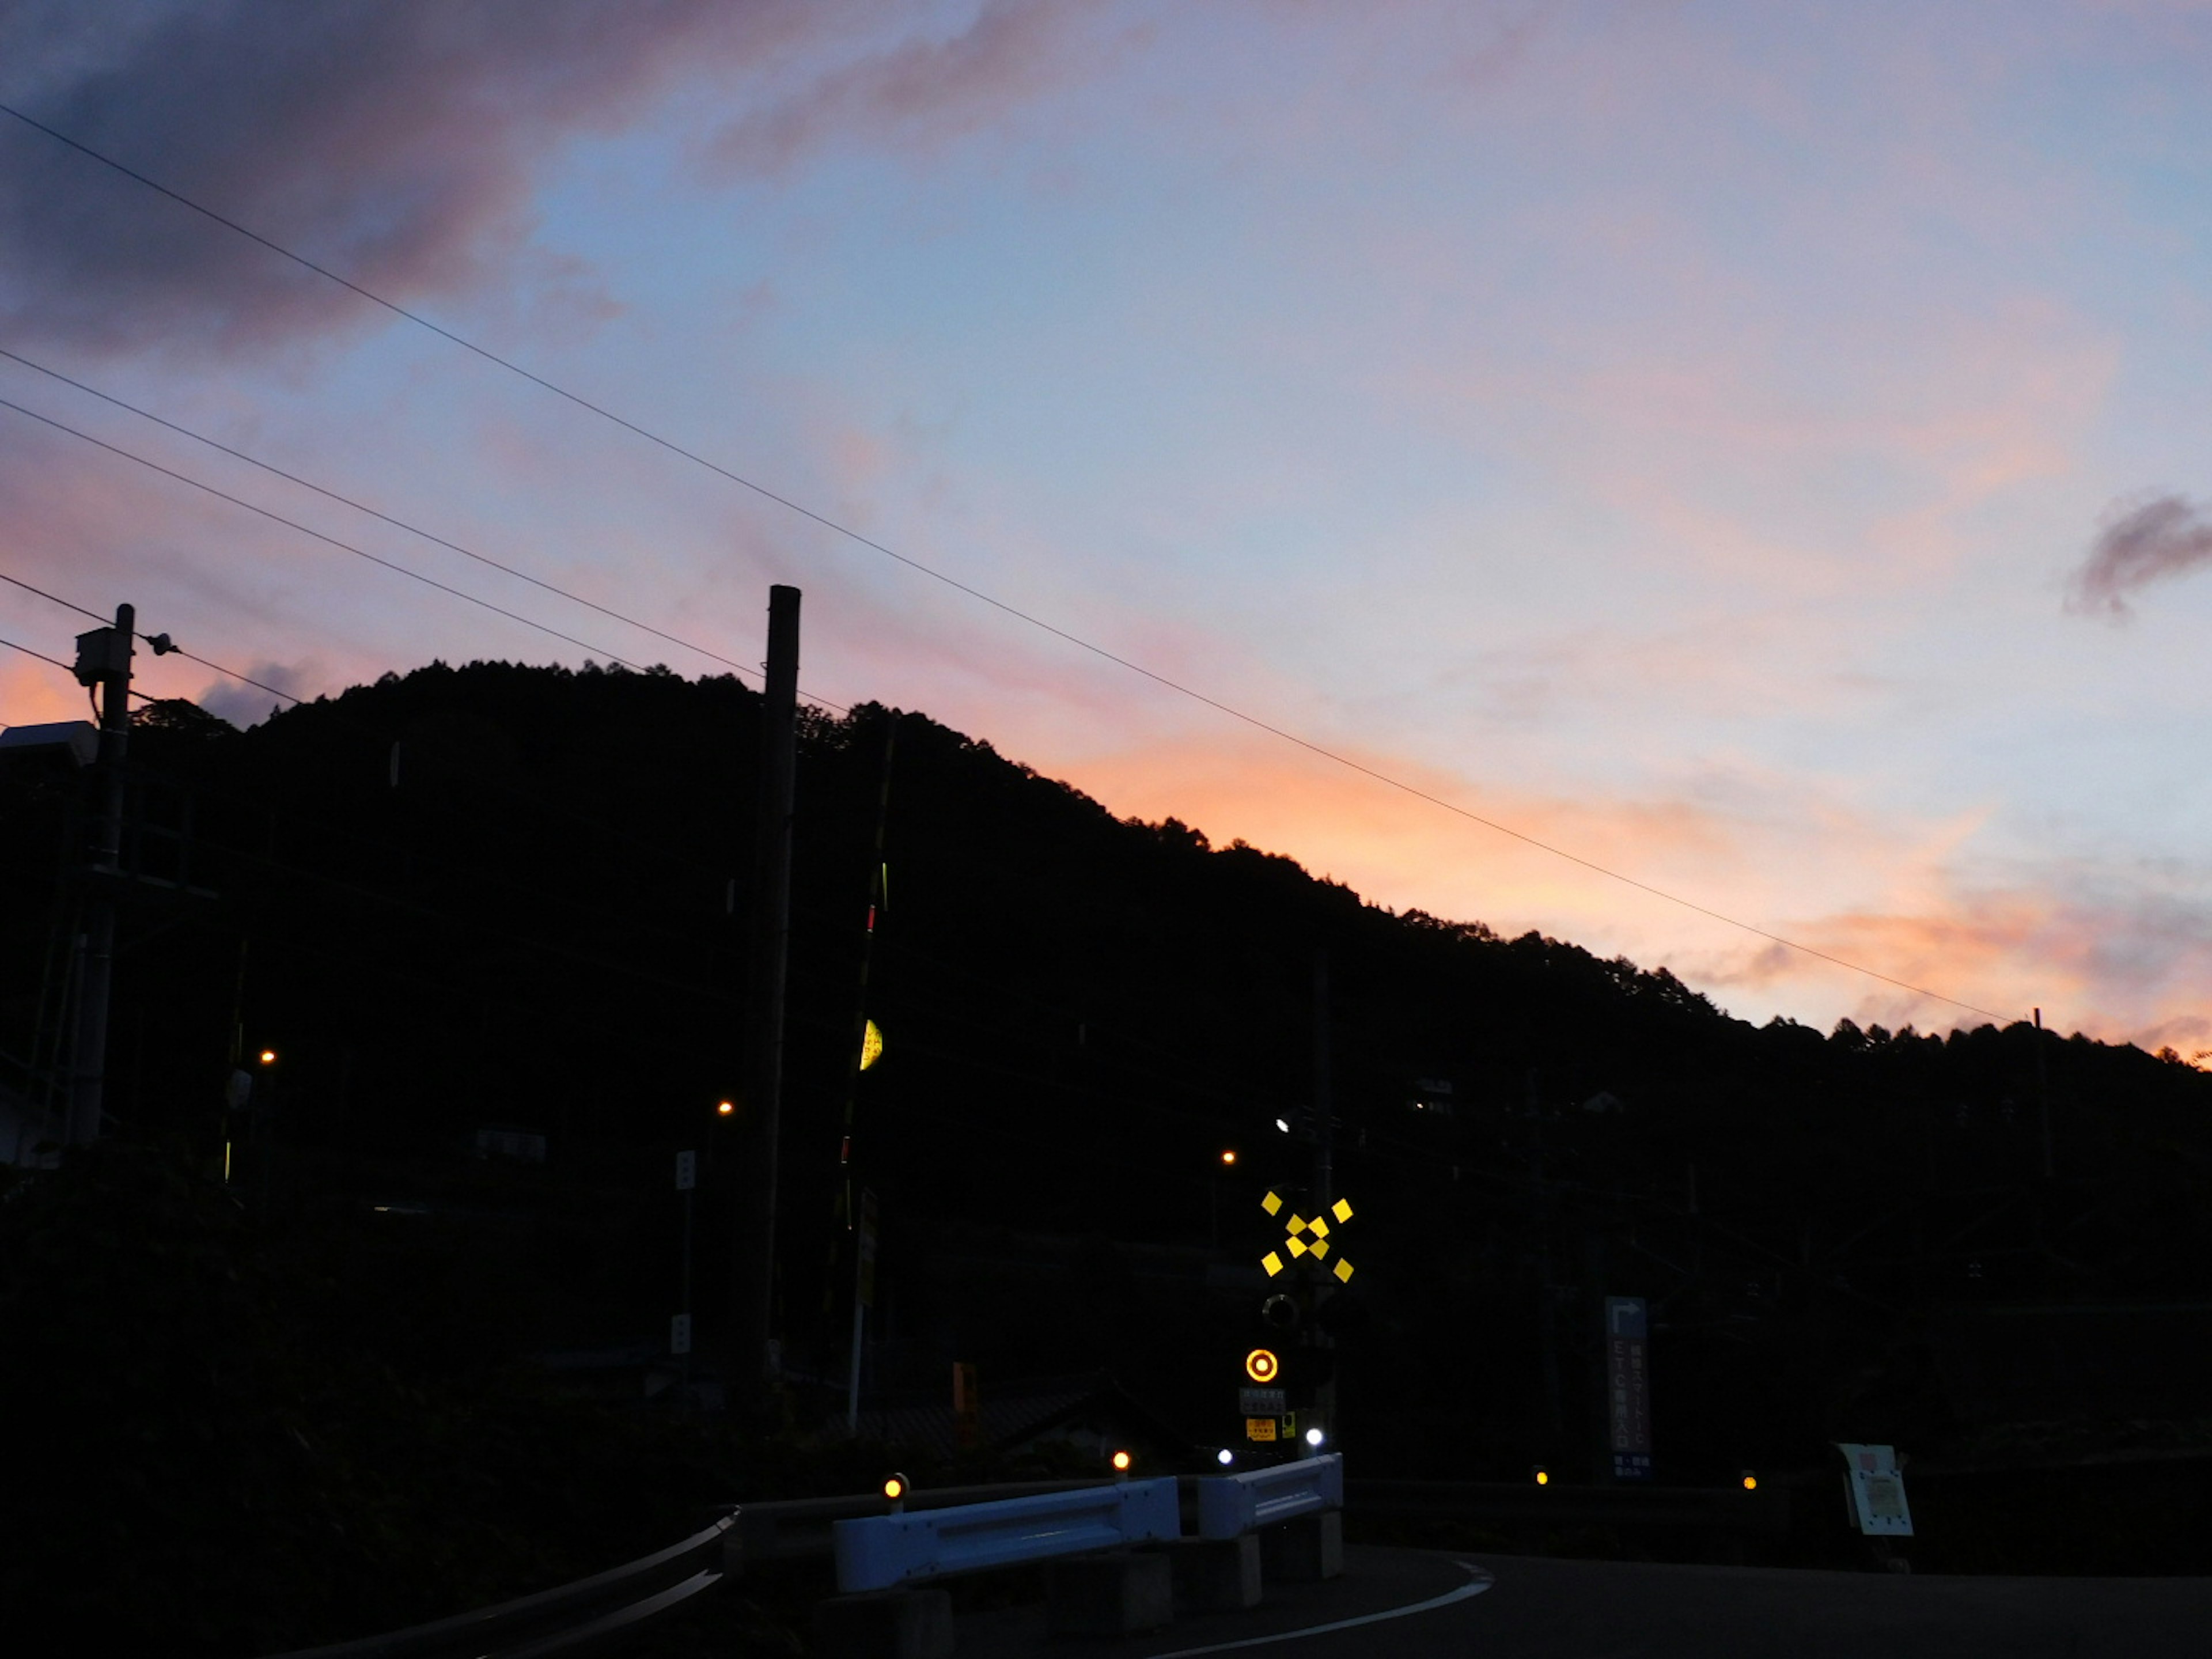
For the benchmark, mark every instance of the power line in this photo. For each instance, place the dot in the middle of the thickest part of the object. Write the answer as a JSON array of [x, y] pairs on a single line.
[[827, 523], [347, 547], [172, 651], [40, 655], [376, 513], [294, 523]]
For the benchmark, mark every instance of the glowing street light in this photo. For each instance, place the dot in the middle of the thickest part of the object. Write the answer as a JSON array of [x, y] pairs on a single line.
[[268, 1056], [723, 1109]]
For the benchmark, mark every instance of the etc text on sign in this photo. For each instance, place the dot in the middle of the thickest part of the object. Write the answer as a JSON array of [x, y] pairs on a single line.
[[1628, 1387]]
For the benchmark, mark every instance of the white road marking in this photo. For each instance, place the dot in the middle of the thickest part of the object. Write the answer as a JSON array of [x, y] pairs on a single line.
[[1479, 1581]]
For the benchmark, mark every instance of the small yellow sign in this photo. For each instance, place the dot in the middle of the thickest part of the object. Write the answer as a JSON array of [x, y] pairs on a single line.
[[1258, 1428]]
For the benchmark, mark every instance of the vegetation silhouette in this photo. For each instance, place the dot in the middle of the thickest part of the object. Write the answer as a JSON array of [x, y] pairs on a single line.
[[506, 897]]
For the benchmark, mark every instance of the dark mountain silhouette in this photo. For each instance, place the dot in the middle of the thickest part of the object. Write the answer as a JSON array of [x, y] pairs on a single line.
[[511, 897]]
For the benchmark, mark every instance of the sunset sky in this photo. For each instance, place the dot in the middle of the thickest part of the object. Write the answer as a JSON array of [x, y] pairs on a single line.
[[1763, 449]]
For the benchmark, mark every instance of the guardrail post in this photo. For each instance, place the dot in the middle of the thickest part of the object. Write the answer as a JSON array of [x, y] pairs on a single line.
[[895, 1624], [1303, 1551], [1116, 1594], [1216, 1575]]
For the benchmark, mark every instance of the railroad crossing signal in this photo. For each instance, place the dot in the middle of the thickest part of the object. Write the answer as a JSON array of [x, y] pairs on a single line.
[[1307, 1236], [1261, 1365]]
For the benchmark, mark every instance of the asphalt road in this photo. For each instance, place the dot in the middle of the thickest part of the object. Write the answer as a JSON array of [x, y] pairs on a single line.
[[1534, 1607]]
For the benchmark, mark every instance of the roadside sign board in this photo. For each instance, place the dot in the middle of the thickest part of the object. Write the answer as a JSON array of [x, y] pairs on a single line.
[[1263, 1402], [1877, 1490], [1628, 1387], [1258, 1428]]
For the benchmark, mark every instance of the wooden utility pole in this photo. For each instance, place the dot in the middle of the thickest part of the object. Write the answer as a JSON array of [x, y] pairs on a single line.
[[103, 662], [753, 1281], [2043, 1096]]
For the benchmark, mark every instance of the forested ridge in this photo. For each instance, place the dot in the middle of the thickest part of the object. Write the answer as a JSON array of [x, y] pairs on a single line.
[[506, 897]]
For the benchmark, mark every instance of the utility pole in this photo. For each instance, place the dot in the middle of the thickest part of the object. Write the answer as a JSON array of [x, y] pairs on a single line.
[[103, 661], [753, 1278], [2043, 1094]]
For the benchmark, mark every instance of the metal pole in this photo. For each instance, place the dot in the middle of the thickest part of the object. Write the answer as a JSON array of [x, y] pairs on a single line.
[[753, 1278], [688, 1196], [864, 1292], [1324, 1125], [103, 660], [1324, 1185]]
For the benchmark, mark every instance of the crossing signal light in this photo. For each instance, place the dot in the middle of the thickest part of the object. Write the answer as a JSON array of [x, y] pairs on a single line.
[[1262, 1366]]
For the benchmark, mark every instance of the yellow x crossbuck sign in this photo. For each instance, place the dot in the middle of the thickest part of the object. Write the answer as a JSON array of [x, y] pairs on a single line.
[[1307, 1238]]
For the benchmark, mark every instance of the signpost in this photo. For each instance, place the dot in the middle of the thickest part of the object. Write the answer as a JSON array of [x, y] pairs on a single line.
[[1628, 1387], [864, 1297], [679, 1328]]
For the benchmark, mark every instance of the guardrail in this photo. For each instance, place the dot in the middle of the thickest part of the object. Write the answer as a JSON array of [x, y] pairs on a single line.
[[787, 1529], [884, 1551], [1231, 1505], [567, 1620]]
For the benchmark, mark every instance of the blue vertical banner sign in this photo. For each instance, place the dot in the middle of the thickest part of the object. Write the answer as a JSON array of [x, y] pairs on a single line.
[[1628, 1387]]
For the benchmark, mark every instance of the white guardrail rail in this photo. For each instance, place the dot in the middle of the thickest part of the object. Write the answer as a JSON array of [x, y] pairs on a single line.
[[1231, 1505], [881, 1552]]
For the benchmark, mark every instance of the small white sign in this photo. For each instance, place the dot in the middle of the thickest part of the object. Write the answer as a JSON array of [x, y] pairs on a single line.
[[1877, 1490], [687, 1171], [679, 1333]]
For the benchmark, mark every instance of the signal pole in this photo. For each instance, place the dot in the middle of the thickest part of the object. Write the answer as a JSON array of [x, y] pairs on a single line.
[[753, 1278], [1324, 1182], [103, 661]]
